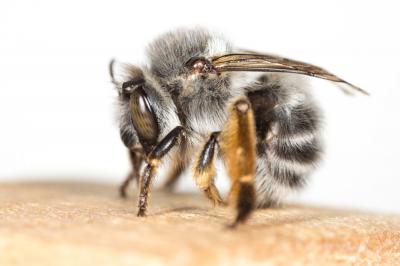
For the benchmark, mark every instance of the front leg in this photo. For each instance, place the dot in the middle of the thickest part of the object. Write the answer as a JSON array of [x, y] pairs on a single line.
[[153, 160]]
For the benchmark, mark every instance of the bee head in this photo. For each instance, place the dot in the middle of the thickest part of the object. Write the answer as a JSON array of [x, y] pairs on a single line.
[[145, 113]]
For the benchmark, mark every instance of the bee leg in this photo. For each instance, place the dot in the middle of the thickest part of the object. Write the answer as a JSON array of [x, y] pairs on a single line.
[[136, 157], [204, 170], [238, 146], [124, 186], [153, 160], [173, 174]]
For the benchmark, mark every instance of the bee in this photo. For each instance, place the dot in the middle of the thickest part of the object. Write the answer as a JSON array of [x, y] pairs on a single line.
[[200, 99]]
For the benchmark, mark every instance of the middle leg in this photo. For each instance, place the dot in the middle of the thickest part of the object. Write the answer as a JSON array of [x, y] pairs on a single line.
[[204, 170], [136, 157], [175, 171]]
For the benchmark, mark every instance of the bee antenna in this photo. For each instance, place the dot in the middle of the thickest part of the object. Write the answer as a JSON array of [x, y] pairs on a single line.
[[111, 69]]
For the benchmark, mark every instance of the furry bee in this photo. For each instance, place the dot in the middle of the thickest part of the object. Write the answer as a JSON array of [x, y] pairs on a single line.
[[200, 99]]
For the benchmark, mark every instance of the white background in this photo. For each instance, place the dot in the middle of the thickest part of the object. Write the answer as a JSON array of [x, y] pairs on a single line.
[[56, 101]]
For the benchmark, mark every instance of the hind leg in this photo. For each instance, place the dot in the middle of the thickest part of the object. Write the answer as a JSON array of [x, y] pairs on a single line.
[[238, 146]]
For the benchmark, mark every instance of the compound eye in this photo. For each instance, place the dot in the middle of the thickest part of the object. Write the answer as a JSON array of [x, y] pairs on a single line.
[[143, 117]]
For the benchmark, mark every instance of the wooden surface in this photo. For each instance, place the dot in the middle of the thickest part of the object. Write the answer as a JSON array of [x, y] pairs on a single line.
[[87, 224]]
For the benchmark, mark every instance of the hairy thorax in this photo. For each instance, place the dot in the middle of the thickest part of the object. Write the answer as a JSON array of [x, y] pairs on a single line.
[[203, 103]]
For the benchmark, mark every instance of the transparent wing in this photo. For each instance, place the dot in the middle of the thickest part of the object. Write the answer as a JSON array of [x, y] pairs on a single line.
[[272, 63]]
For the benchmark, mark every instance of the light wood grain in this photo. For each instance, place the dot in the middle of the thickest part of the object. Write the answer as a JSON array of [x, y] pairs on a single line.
[[87, 224]]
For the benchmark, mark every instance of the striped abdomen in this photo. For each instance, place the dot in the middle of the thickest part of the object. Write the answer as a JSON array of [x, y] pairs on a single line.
[[288, 141]]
